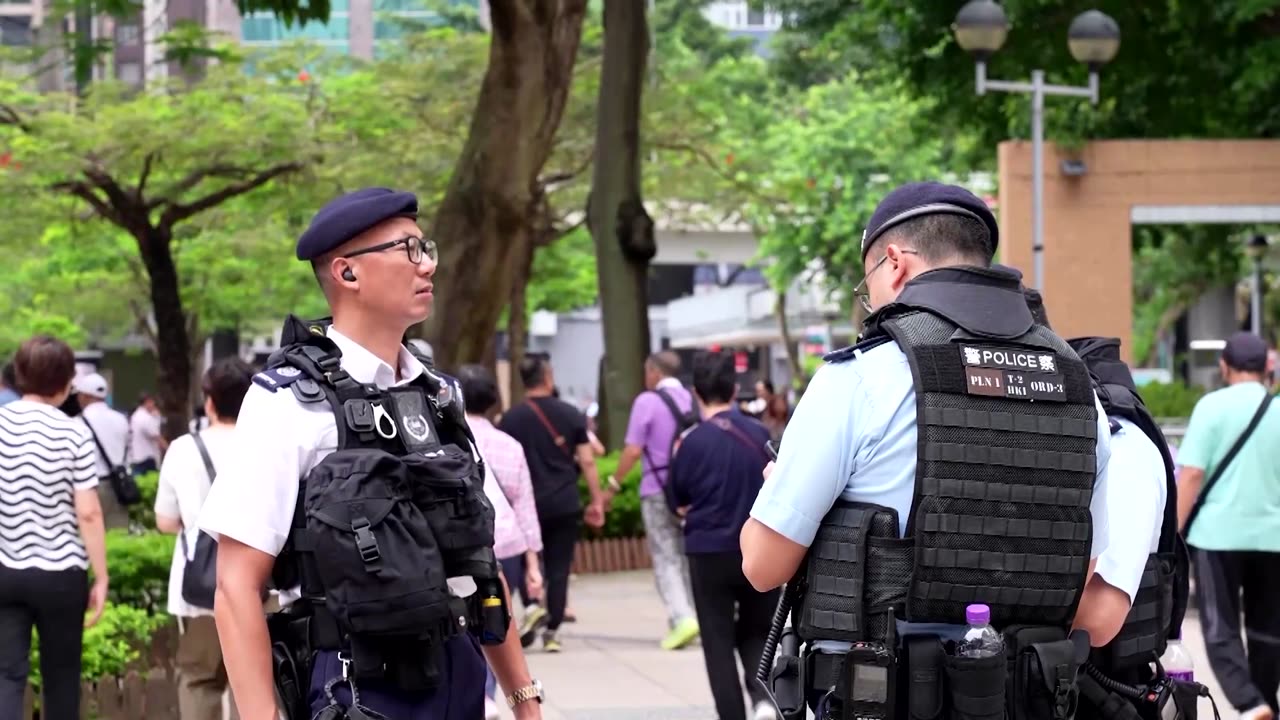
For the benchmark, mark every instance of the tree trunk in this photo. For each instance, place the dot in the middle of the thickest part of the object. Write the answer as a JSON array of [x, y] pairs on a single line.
[[173, 351], [482, 224], [517, 321], [622, 230], [799, 378]]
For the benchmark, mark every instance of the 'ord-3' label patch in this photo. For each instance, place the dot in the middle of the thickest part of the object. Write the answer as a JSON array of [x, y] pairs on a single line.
[[1012, 373]]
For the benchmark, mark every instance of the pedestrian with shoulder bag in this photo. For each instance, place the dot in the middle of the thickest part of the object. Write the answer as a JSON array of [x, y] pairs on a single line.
[[186, 476]]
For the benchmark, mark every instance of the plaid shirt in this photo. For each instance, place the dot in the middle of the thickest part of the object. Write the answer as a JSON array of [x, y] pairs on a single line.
[[510, 489]]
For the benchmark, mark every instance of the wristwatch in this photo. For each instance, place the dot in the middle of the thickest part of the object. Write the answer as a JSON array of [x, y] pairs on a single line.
[[525, 694], [613, 484]]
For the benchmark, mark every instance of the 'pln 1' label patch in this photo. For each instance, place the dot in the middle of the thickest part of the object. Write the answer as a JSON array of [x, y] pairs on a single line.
[[1013, 385]]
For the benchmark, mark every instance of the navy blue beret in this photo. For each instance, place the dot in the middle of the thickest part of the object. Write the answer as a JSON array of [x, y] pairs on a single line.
[[914, 200], [349, 215]]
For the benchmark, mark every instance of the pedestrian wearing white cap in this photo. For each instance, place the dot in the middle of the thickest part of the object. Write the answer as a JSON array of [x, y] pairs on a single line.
[[110, 429]]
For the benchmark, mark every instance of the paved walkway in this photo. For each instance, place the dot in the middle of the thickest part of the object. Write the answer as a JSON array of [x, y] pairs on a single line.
[[611, 667]]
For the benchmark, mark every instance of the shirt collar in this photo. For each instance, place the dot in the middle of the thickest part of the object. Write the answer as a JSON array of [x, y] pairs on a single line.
[[367, 368], [668, 382], [478, 421]]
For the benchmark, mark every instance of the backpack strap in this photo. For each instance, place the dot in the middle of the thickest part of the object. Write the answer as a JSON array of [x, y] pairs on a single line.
[[679, 417], [727, 426]]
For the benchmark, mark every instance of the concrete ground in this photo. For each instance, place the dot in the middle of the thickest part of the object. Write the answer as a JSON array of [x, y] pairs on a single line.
[[611, 667]]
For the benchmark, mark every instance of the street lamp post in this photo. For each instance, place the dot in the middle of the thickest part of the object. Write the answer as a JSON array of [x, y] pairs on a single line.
[[1256, 250], [1093, 38]]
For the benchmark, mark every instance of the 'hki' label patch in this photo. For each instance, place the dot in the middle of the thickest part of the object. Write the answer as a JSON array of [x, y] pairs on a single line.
[[1012, 373]]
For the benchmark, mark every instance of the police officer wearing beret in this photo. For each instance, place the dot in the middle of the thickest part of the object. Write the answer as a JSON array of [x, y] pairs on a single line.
[[334, 413], [948, 467]]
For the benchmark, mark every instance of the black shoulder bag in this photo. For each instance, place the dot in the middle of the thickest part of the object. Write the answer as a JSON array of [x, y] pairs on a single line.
[[1226, 461], [122, 482], [200, 573]]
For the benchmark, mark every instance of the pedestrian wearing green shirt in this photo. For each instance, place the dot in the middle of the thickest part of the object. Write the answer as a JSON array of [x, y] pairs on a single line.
[[1229, 511]]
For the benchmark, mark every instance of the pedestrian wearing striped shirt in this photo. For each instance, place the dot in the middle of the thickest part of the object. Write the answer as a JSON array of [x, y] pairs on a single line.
[[517, 537], [51, 531]]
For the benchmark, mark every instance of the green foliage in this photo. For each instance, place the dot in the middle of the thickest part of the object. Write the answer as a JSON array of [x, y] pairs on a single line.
[[143, 513], [139, 567], [564, 274], [1170, 400], [1199, 69], [1172, 268], [112, 646], [623, 519]]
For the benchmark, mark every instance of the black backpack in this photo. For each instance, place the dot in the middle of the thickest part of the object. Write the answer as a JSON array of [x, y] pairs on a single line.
[[1119, 397]]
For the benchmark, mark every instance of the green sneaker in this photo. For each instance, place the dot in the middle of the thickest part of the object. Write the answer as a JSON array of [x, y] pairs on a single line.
[[682, 634], [550, 643], [534, 618]]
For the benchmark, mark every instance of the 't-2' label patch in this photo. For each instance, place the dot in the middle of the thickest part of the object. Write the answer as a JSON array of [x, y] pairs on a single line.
[[1012, 373]]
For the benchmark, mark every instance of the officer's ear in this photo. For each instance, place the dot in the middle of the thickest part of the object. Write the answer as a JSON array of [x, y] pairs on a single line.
[[897, 262]]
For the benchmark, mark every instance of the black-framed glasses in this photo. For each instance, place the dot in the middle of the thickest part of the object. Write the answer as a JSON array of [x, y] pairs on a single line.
[[415, 247], [861, 292]]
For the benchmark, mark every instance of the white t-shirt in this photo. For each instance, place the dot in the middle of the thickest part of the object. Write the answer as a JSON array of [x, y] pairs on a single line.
[[144, 440], [184, 485], [112, 429]]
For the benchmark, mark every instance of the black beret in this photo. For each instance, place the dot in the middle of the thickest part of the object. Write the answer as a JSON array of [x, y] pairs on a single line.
[[914, 200], [349, 215]]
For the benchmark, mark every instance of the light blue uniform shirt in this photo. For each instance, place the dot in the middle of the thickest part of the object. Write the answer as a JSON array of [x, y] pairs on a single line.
[[853, 436], [1134, 505]]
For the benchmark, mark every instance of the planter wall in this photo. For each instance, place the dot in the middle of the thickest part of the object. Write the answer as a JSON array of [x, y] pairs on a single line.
[[611, 555]]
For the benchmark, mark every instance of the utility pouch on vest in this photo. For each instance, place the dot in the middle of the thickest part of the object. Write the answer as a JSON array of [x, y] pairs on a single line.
[[1045, 665], [844, 598], [976, 687], [460, 515], [291, 653], [1186, 698], [375, 555], [925, 686], [1145, 632]]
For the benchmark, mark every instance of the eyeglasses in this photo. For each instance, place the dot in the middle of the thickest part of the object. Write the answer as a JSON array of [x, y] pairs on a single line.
[[861, 292], [415, 247]]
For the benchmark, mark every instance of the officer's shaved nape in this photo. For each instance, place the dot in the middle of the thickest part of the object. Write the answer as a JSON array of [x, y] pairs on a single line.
[[941, 239]]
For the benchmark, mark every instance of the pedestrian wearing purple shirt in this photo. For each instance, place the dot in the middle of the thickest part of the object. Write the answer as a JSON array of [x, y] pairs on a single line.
[[658, 415]]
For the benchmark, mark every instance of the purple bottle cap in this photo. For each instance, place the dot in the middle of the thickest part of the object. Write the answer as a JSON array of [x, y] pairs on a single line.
[[977, 614]]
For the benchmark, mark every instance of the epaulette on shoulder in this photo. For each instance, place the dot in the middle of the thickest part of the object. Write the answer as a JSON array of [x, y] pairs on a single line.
[[278, 377], [851, 353]]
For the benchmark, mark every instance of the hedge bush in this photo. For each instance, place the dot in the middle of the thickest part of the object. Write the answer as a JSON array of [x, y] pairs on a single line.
[[1170, 400], [139, 566], [142, 515], [623, 519]]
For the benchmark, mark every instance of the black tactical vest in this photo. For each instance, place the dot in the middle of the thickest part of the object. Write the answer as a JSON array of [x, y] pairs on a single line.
[[1006, 462], [382, 521], [1161, 602]]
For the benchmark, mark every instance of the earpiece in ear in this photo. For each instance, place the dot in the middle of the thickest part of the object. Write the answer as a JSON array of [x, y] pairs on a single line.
[[348, 275]]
